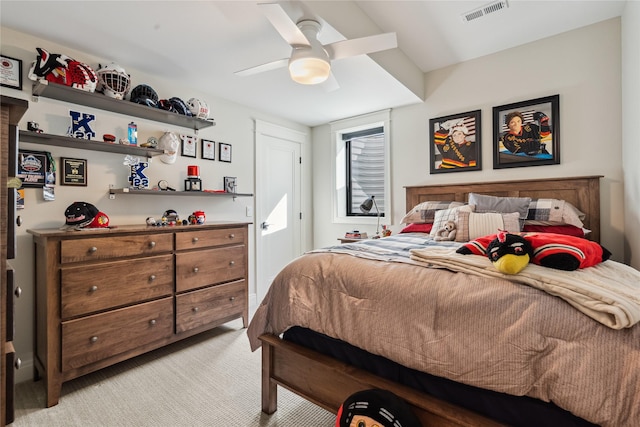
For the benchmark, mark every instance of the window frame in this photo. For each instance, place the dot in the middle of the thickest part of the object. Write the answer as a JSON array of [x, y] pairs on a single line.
[[339, 165]]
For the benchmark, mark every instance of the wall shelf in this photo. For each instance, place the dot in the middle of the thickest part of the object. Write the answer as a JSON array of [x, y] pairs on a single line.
[[85, 144], [114, 191], [103, 102]]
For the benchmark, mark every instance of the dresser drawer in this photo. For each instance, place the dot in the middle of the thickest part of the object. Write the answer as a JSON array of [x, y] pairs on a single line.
[[115, 247], [88, 289], [204, 306], [97, 337], [209, 238], [209, 266]]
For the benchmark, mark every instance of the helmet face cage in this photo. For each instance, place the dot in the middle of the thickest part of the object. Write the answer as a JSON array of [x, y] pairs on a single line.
[[114, 81]]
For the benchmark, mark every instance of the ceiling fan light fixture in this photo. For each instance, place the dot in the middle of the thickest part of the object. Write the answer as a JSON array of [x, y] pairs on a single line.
[[309, 70]]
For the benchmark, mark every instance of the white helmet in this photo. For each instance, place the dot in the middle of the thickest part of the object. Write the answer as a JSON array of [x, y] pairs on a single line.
[[198, 108], [113, 81], [169, 142]]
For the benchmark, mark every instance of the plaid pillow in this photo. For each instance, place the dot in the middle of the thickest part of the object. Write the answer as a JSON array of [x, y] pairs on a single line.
[[554, 212], [425, 211]]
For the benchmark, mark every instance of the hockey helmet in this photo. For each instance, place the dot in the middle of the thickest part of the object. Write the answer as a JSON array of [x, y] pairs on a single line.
[[113, 81], [179, 106], [198, 108], [144, 94], [61, 69]]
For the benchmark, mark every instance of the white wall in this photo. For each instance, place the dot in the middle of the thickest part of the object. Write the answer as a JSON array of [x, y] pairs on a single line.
[[582, 66], [630, 140], [234, 125]]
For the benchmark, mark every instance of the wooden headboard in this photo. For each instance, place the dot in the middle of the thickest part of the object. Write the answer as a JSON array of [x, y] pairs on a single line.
[[582, 192]]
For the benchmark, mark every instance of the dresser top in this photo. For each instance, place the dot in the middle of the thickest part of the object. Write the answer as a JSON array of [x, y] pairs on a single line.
[[134, 228]]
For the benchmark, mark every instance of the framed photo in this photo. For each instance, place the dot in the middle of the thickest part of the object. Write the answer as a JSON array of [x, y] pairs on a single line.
[[10, 72], [225, 152], [208, 149], [34, 168], [230, 184], [74, 171], [189, 146], [455, 143], [527, 133]]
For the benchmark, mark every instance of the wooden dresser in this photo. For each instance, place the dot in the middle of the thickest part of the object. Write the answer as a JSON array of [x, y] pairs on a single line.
[[103, 296]]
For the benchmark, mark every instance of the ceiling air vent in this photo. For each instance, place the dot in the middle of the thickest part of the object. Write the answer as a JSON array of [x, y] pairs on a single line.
[[484, 10]]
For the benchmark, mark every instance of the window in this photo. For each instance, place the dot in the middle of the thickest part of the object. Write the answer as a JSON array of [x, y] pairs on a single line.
[[365, 169], [361, 167]]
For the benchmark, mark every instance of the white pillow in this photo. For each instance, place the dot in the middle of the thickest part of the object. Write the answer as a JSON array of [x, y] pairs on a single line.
[[472, 225], [442, 216]]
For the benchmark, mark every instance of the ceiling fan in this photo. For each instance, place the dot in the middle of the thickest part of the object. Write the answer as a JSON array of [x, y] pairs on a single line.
[[310, 61]]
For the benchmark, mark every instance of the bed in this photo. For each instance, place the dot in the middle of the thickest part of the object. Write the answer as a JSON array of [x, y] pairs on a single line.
[[462, 350]]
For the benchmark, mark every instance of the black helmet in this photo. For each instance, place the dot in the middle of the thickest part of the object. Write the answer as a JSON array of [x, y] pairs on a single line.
[[144, 94]]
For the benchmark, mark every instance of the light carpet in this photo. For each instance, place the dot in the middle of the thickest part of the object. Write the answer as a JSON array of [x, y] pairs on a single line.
[[211, 379]]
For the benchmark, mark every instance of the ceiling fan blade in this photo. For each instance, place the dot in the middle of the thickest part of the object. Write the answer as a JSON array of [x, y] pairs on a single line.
[[264, 67], [283, 24], [361, 46], [330, 84]]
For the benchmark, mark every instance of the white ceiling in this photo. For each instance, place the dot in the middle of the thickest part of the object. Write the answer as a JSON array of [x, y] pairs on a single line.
[[205, 42]]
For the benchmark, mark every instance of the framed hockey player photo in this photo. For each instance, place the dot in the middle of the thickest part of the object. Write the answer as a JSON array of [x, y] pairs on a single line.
[[455, 143], [527, 133]]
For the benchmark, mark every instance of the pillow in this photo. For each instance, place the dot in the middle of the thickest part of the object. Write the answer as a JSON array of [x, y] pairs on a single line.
[[556, 251], [417, 227], [425, 211], [444, 215], [472, 225], [484, 203], [554, 212], [569, 230]]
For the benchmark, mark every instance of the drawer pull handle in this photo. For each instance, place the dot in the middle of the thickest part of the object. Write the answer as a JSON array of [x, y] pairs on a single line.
[[196, 269], [93, 250], [18, 363], [18, 292], [152, 322], [93, 339], [93, 289], [195, 309], [152, 245], [232, 236], [195, 240], [152, 277], [232, 263], [232, 299]]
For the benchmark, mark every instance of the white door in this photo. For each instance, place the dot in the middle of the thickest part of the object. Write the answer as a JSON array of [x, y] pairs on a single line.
[[278, 221]]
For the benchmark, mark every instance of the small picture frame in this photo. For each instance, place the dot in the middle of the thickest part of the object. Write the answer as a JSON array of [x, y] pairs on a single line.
[[189, 146], [208, 149], [455, 143], [74, 171], [230, 184], [527, 133], [10, 72], [225, 152]]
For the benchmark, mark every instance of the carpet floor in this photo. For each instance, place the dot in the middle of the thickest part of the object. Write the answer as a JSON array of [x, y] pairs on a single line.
[[211, 379]]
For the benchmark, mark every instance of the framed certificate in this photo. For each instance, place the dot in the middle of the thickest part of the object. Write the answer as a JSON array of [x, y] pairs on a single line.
[[10, 72], [225, 152], [74, 171], [208, 149], [189, 146]]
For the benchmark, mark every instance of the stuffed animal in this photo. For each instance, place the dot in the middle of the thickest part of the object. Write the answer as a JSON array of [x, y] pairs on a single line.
[[557, 251], [509, 253], [448, 232]]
